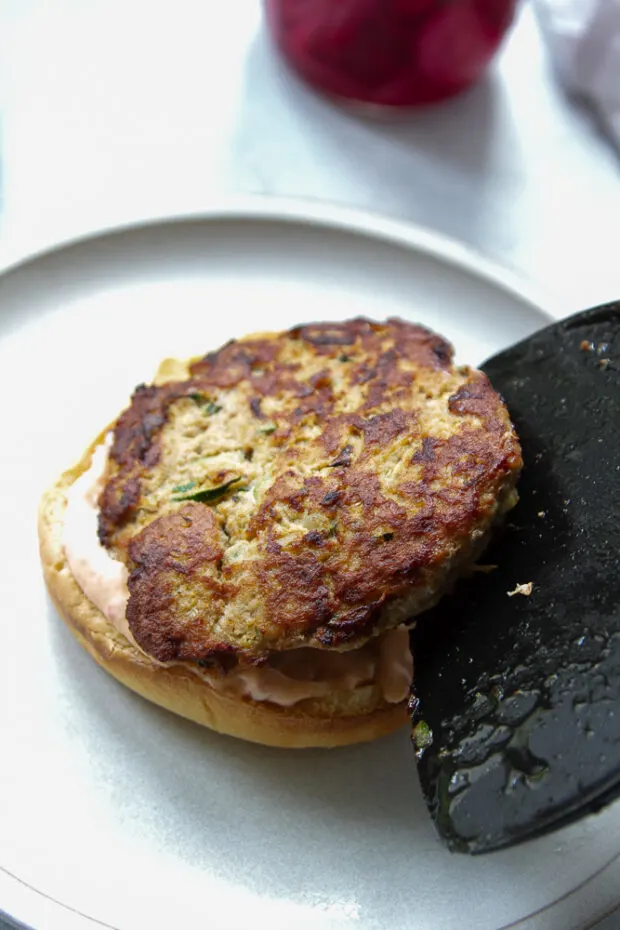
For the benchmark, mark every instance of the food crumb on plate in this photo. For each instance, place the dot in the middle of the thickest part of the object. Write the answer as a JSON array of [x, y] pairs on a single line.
[[525, 589]]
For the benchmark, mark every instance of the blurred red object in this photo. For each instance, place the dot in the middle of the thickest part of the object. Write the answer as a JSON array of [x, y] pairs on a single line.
[[391, 53]]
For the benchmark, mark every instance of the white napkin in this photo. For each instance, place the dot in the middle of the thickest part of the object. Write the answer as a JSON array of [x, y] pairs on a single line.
[[583, 37]]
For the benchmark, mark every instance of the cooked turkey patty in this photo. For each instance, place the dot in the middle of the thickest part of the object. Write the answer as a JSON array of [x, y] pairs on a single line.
[[306, 488]]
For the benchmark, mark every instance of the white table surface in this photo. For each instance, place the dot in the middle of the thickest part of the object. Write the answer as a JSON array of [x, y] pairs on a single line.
[[112, 110]]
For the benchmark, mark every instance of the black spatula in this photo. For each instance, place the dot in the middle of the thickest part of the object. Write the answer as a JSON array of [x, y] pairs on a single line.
[[522, 692]]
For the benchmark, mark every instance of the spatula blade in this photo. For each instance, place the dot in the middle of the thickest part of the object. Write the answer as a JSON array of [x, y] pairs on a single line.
[[522, 692]]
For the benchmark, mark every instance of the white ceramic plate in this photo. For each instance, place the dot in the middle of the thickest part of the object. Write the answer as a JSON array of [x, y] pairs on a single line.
[[116, 813]]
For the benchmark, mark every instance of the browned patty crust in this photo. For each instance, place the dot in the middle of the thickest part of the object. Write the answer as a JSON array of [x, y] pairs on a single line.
[[303, 488]]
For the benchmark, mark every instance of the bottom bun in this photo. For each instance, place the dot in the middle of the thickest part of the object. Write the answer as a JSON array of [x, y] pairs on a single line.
[[338, 719]]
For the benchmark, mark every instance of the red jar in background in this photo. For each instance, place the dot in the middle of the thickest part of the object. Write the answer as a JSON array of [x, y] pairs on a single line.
[[390, 53]]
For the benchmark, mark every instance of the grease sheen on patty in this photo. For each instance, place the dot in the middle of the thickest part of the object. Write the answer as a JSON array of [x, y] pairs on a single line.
[[306, 488]]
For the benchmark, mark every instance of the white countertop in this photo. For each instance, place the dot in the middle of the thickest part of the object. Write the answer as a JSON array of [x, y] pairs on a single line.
[[116, 110]]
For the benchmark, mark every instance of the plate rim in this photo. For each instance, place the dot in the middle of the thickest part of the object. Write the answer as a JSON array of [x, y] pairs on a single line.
[[298, 211], [301, 211]]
